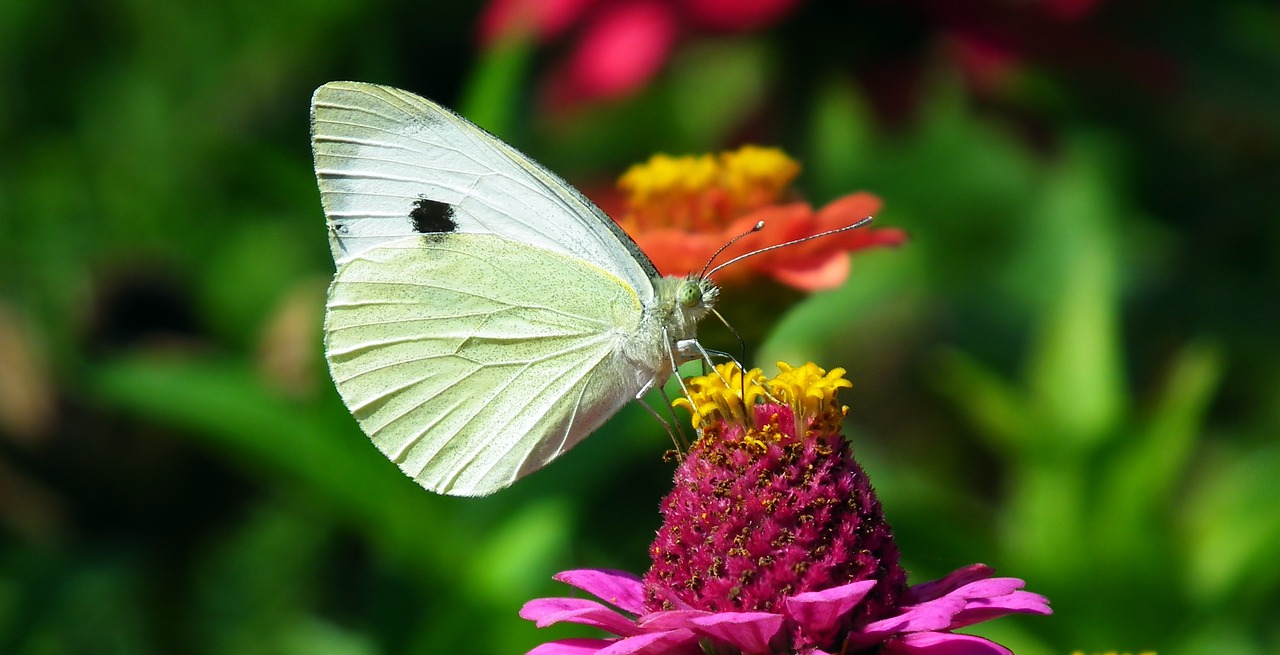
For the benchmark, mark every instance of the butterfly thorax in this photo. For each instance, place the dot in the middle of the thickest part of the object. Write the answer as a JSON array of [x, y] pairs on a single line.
[[679, 303]]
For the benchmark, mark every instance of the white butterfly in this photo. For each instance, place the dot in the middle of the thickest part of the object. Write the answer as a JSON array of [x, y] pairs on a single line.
[[485, 316]]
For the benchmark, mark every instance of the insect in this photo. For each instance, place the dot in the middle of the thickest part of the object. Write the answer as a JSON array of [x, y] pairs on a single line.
[[485, 317]]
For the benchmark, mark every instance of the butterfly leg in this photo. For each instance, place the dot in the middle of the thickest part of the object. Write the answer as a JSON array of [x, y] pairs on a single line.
[[692, 349], [676, 433], [657, 382]]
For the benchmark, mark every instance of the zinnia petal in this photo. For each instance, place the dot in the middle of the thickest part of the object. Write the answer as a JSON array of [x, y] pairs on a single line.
[[1018, 602], [751, 632], [675, 252], [571, 647], [820, 612], [827, 274], [818, 263], [989, 588], [622, 589], [549, 611], [936, 614], [673, 642], [670, 619], [952, 581], [943, 643], [546, 19]]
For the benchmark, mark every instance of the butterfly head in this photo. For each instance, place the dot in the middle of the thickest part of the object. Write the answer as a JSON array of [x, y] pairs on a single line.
[[694, 293], [680, 303]]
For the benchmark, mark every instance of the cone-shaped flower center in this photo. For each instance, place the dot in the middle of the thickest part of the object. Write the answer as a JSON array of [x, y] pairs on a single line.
[[769, 502]]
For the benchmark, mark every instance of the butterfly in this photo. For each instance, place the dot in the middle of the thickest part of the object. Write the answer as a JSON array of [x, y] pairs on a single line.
[[485, 317]]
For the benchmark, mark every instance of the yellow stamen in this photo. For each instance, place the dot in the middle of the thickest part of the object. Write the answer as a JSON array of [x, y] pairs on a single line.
[[720, 395], [693, 191], [757, 176], [729, 394], [809, 390]]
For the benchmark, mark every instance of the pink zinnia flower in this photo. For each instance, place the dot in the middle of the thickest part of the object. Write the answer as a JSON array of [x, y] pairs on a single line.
[[617, 46], [773, 541]]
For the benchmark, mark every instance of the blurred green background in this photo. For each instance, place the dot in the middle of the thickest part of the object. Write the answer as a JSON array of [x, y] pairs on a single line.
[[1069, 373]]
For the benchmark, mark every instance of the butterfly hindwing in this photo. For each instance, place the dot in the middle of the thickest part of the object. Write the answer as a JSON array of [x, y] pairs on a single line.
[[472, 359]]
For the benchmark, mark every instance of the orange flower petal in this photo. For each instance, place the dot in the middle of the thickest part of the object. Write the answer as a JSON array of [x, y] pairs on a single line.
[[826, 275], [850, 208], [678, 253], [798, 220], [821, 263]]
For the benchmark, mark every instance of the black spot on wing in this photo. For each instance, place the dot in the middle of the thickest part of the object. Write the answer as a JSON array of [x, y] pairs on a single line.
[[432, 216]]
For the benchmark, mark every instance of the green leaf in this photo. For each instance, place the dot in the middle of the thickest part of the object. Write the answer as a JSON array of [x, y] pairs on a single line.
[[1232, 529], [840, 145], [225, 404], [1042, 524], [493, 96], [1144, 476], [995, 407], [829, 327], [516, 558], [256, 580], [1075, 372], [714, 85]]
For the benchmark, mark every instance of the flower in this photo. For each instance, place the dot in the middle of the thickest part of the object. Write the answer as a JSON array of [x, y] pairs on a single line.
[[618, 45], [1002, 48], [773, 541], [682, 210]]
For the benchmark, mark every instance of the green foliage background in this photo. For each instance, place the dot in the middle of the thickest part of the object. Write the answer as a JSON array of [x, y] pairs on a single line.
[[1069, 373]]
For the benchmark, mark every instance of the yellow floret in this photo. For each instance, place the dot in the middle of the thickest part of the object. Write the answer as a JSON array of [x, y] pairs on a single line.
[[755, 175], [728, 394], [706, 189], [809, 390], [664, 175], [724, 395]]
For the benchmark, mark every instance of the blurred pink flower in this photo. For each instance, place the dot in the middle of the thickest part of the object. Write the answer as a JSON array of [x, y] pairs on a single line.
[[617, 46], [994, 43]]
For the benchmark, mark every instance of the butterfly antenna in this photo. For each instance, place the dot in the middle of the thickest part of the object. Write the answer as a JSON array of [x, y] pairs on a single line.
[[758, 226], [793, 242]]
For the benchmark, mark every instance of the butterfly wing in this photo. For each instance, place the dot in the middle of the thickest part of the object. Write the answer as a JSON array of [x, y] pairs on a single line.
[[471, 359], [391, 164]]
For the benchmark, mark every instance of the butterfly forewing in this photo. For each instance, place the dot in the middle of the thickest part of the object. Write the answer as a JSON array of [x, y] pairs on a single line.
[[391, 164]]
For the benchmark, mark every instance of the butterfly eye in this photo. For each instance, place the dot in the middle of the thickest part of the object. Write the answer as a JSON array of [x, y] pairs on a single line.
[[689, 294]]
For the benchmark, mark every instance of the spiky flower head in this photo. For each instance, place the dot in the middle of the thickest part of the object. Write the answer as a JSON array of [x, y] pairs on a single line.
[[773, 542], [770, 503]]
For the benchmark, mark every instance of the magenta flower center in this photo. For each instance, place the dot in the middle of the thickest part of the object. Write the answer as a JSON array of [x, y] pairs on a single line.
[[759, 514]]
